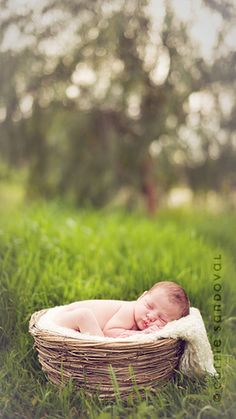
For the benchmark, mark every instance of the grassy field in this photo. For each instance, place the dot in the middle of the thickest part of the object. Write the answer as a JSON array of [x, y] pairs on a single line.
[[51, 255]]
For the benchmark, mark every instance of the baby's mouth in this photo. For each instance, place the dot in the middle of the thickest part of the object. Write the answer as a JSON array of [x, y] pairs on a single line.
[[146, 323]]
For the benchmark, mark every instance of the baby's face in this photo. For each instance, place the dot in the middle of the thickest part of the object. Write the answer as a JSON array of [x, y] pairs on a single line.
[[154, 308]]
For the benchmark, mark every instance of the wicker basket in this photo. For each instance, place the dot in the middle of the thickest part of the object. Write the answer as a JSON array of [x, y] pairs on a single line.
[[89, 362]]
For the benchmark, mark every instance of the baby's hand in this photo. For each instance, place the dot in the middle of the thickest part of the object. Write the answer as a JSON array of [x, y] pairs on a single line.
[[152, 329], [125, 334]]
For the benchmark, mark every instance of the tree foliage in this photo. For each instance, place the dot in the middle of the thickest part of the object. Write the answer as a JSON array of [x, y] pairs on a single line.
[[87, 109]]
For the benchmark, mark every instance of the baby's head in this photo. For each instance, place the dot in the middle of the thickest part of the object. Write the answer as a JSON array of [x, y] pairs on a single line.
[[164, 302], [175, 294]]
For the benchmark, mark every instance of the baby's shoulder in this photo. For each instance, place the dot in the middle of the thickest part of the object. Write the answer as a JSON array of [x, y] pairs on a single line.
[[127, 306]]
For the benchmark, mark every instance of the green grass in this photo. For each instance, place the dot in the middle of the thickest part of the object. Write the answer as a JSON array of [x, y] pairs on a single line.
[[51, 256]]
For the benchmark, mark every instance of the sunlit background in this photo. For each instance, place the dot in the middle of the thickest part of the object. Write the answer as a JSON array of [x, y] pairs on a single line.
[[118, 103]]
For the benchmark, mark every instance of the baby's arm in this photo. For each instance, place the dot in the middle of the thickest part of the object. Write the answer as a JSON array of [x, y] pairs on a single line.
[[120, 322], [81, 319], [150, 329]]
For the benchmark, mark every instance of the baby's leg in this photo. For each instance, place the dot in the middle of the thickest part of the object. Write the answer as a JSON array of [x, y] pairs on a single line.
[[81, 319]]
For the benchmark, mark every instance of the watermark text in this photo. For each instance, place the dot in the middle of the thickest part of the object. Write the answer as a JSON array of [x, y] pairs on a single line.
[[217, 325]]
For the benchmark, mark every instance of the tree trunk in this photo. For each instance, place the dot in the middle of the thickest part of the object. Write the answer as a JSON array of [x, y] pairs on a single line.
[[149, 185]]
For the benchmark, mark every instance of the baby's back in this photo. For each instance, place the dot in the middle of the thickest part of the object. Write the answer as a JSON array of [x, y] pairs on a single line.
[[102, 309]]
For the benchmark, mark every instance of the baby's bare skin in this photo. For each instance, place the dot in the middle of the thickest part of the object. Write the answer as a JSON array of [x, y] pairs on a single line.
[[115, 318], [99, 317]]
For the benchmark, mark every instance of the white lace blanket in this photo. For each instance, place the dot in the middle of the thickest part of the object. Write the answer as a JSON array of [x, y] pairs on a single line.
[[197, 358]]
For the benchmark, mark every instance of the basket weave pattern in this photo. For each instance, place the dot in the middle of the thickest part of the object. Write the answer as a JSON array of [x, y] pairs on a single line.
[[89, 363]]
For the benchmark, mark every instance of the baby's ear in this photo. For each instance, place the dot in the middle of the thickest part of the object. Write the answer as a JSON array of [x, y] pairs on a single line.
[[145, 292]]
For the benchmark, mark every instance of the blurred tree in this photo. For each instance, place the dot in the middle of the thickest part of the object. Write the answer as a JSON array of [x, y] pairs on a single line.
[[93, 99], [215, 169]]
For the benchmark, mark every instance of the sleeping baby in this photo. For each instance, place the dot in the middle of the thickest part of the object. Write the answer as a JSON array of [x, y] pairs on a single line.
[[164, 302]]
